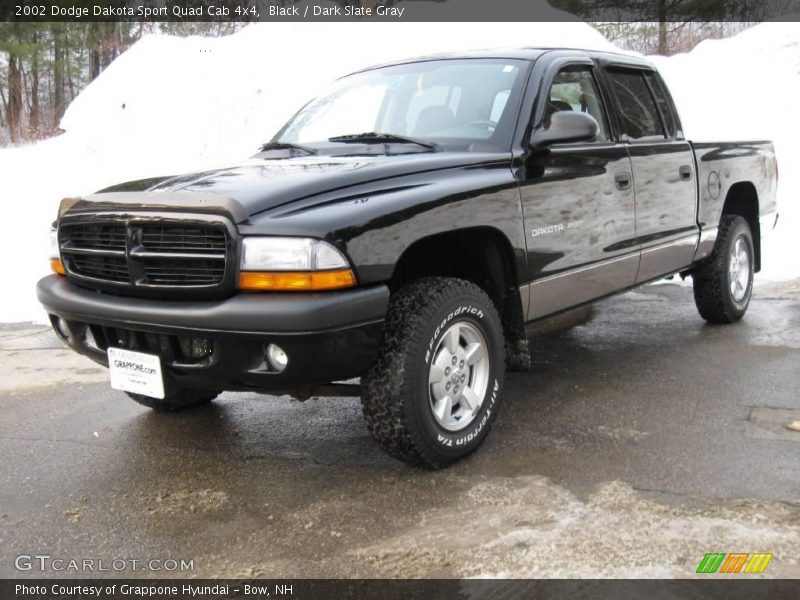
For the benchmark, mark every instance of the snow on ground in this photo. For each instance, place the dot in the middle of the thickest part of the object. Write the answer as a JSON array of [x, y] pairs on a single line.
[[170, 105]]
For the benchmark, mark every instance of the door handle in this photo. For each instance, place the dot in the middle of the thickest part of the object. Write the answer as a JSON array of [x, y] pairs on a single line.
[[622, 180], [685, 171]]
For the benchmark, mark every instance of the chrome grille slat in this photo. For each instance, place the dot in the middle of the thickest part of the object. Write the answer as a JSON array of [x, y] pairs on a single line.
[[187, 271], [148, 254], [92, 251]]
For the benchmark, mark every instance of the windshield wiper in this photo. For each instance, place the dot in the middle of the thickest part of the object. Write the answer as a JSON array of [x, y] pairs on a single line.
[[373, 137], [287, 146]]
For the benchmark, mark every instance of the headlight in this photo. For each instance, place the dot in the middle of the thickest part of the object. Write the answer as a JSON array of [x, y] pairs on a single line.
[[292, 264], [55, 254], [289, 254]]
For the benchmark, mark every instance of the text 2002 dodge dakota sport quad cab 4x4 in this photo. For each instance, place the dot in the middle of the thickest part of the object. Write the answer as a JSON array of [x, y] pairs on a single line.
[[403, 227]]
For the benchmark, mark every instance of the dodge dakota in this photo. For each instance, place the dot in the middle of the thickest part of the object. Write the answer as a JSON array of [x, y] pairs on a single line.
[[400, 232]]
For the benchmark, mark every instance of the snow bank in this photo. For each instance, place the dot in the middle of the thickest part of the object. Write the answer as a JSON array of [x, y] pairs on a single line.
[[169, 105], [209, 99], [746, 87]]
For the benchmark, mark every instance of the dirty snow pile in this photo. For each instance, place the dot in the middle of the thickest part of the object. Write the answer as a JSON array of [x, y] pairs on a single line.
[[170, 105]]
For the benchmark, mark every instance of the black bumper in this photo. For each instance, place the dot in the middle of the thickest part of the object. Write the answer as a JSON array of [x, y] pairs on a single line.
[[328, 336]]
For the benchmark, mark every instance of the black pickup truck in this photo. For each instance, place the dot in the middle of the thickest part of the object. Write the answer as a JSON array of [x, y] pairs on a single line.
[[403, 228]]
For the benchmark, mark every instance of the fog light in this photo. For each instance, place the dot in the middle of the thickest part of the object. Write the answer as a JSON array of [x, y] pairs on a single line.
[[277, 357]]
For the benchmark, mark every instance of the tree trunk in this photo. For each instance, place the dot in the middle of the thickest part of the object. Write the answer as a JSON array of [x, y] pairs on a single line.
[[663, 47], [94, 55], [58, 74], [14, 112], [34, 116], [5, 108]]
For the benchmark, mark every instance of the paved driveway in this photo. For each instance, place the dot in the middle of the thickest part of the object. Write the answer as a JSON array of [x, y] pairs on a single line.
[[641, 440]]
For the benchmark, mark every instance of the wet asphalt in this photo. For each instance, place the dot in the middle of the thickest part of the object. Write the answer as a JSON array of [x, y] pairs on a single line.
[[641, 439]]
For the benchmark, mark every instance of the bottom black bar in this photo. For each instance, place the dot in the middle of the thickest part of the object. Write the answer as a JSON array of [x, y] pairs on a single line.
[[405, 589]]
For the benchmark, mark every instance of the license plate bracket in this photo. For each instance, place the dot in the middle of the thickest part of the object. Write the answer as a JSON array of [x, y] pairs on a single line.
[[136, 372]]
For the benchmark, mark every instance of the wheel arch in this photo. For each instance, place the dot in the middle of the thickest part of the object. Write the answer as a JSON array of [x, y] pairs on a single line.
[[742, 200], [482, 255]]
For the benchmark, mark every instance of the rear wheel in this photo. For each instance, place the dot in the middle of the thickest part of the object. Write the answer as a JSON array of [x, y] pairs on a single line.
[[176, 399], [723, 283], [432, 395]]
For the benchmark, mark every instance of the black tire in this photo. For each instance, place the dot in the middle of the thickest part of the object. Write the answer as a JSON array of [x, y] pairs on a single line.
[[715, 301], [176, 399], [396, 393]]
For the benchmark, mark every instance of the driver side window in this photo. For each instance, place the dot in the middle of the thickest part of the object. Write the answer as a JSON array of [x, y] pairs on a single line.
[[574, 88]]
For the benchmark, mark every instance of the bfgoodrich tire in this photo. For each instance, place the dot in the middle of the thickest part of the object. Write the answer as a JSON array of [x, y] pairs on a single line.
[[176, 399], [432, 394], [723, 283]]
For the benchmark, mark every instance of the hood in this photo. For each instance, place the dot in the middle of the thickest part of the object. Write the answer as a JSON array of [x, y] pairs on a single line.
[[256, 185]]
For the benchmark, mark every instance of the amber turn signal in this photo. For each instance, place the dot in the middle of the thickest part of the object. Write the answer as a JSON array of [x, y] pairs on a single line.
[[57, 266], [296, 281]]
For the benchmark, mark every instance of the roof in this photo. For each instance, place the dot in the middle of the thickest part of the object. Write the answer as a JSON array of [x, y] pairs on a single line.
[[526, 53]]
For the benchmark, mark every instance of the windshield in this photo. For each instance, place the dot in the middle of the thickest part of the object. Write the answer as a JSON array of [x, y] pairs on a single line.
[[453, 103]]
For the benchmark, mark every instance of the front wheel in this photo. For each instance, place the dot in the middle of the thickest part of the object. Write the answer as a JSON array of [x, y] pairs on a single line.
[[433, 392], [723, 283]]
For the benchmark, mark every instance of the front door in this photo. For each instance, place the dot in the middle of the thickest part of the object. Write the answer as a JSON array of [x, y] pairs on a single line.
[[578, 206]]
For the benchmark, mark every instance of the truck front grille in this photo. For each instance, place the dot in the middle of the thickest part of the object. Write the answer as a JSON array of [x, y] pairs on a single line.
[[184, 272], [141, 254], [171, 238], [110, 236], [110, 268]]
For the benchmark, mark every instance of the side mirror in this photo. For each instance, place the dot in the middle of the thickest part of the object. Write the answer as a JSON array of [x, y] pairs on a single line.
[[566, 126]]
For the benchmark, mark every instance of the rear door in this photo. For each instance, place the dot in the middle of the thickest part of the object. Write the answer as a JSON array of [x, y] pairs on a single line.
[[663, 171], [578, 201]]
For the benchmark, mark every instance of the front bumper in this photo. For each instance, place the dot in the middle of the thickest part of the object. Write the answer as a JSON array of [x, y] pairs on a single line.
[[328, 336]]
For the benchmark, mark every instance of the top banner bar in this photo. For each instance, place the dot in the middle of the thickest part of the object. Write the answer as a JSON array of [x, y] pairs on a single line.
[[400, 10]]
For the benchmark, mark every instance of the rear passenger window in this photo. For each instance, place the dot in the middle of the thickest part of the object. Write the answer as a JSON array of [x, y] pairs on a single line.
[[639, 116], [664, 105]]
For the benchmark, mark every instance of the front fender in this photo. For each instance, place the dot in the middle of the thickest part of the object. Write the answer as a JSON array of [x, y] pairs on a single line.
[[375, 224]]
